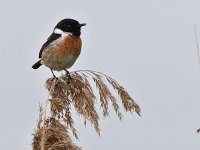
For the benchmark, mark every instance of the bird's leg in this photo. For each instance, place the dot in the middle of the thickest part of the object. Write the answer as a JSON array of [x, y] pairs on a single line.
[[67, 73], [53, 74]]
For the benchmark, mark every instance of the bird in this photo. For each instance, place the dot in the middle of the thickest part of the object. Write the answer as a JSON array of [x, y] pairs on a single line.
[[62, 47]]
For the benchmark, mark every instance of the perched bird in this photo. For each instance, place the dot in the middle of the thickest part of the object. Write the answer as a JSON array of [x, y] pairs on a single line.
[[62, 48]]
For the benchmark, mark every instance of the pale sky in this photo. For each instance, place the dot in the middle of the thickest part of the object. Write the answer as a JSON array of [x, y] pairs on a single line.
[[148, 46]]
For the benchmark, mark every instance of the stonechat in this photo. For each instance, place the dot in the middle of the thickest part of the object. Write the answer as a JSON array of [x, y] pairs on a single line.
[[62, 48]]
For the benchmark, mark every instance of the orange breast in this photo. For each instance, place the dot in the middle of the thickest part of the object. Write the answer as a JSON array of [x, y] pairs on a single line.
[[70, 45], [63, 54]]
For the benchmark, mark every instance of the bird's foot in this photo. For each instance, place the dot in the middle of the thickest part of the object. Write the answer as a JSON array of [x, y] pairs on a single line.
[[54, 76], [68, 74]]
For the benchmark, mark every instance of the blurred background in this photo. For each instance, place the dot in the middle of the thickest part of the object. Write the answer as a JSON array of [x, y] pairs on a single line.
[[148, 46]]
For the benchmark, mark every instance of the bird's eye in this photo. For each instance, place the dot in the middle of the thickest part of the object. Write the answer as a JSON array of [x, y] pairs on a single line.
[[69, 25]]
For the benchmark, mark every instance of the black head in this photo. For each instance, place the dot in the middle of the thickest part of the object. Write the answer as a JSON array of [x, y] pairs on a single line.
[[70, 25]]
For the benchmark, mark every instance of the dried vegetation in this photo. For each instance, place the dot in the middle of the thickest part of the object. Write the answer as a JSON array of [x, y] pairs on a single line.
[[76, 91]]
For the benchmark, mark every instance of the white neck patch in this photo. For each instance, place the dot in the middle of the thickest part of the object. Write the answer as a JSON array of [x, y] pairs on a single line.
[[58, 31]]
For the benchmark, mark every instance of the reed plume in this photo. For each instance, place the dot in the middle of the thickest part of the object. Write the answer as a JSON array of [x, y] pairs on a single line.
[[77, 90]]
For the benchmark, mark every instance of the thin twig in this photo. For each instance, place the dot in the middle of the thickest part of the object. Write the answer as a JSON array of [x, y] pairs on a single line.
[[197, 45], [198, 54]]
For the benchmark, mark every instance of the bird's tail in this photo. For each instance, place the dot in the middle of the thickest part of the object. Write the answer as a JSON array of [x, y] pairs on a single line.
[[37, 65]]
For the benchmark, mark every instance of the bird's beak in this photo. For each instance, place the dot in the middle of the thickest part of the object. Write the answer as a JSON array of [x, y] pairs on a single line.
[[82, 24]]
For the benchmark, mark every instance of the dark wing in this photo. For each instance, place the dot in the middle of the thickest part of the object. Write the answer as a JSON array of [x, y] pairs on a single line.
[[50, 39]]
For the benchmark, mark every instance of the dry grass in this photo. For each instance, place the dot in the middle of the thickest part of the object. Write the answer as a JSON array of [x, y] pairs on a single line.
[[77, 91], [56, 136]]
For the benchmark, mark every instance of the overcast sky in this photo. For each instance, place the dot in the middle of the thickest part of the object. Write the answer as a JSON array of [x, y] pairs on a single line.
[[148, 46]]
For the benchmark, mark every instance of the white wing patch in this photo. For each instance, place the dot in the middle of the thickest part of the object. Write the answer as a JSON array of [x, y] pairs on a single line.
[[59, 31], [57, 42]]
